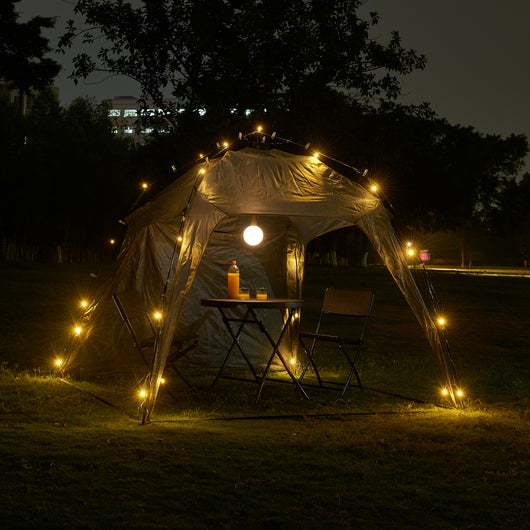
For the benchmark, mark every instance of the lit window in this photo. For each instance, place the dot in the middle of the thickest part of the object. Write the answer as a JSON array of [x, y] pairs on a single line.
[[130, 112], [114, 112]]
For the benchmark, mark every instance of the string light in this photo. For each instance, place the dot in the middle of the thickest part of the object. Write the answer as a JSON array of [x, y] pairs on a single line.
[[112, 241], [441, 321], [374, 188], [83, 303], [143, 393], [78, 330], [145, 185], [58, 362], [157, 315]]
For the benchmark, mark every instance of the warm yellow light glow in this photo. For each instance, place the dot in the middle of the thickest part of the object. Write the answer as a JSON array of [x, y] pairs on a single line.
[[225, 144], [145, 185], [441, 321], [179, 239], [293, 360], [445, 391], [201, 155], [260, 128], [58, 362], [157, 315], [316, 155], [143, 393], [83, 303], [112, 241], [409, 244], [411, 252], [162, 380], [253, 234], [202, 171], [296, 315], [374, 188], [459, 393], [78, 330]]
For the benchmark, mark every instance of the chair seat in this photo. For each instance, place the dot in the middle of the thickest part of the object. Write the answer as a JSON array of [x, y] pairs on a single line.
[[330, 338]]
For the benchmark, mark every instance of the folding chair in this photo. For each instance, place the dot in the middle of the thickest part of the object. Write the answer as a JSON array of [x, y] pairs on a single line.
[[134, 313], [353, 309]]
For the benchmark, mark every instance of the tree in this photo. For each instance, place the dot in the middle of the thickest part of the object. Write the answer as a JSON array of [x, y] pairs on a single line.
[[229, 56], [70, 185], [22, 50]]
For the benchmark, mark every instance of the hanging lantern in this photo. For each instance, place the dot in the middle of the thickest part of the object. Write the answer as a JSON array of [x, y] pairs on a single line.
[[253, 234]]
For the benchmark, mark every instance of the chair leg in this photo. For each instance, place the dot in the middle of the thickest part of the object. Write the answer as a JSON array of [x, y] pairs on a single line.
[[310, 361], [352, 371]]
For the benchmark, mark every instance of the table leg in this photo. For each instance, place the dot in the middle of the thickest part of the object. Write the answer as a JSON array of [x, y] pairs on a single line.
[[235, 342], [276, 351]]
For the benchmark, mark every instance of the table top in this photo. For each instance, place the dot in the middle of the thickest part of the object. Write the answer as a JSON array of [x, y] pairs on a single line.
[[270, 303]]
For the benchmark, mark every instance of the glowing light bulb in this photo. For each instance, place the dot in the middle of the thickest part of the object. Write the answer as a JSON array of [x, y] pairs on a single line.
[[83, 303], [78, 330], [112, 241], [409, 244], [145, 185], [58, 362], [316, 155], [410, 252], [225, 144], [260, 128], [157, 315], [293, 361], [253, 235], [202, 171], [143, 393], [459, 393], [441, 321], [179, 239], [162, 380], [445, 391], [373, 188]]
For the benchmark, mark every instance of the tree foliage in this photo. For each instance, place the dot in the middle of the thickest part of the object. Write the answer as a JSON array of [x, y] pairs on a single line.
[[226, 56], [69, 181], [23, 48]]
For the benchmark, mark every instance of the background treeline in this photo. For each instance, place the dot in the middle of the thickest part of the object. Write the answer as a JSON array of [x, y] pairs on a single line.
[[69, 180]]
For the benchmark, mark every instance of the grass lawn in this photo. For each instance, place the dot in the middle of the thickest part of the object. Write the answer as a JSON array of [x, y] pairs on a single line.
[[217, 459]]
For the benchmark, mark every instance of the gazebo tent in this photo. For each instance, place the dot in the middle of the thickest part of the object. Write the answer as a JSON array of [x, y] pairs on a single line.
[[178, 247]]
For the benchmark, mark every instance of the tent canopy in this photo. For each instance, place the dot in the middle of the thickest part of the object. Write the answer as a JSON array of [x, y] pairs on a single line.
[[178, 246]]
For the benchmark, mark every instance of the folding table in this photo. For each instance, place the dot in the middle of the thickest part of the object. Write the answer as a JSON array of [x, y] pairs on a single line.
[[251, 316]]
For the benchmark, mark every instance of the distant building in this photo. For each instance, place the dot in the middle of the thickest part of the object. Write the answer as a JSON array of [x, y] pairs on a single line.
[[125, 114]]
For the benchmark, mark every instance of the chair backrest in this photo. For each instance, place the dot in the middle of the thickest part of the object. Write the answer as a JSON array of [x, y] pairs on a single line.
[[134, 313], [350, 303], [340, 308]]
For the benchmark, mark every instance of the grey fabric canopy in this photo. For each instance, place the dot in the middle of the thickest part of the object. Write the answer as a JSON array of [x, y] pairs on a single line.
[[178, 247]]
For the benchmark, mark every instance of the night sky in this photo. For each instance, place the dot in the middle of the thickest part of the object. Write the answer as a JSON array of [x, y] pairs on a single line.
[[478, 70]]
